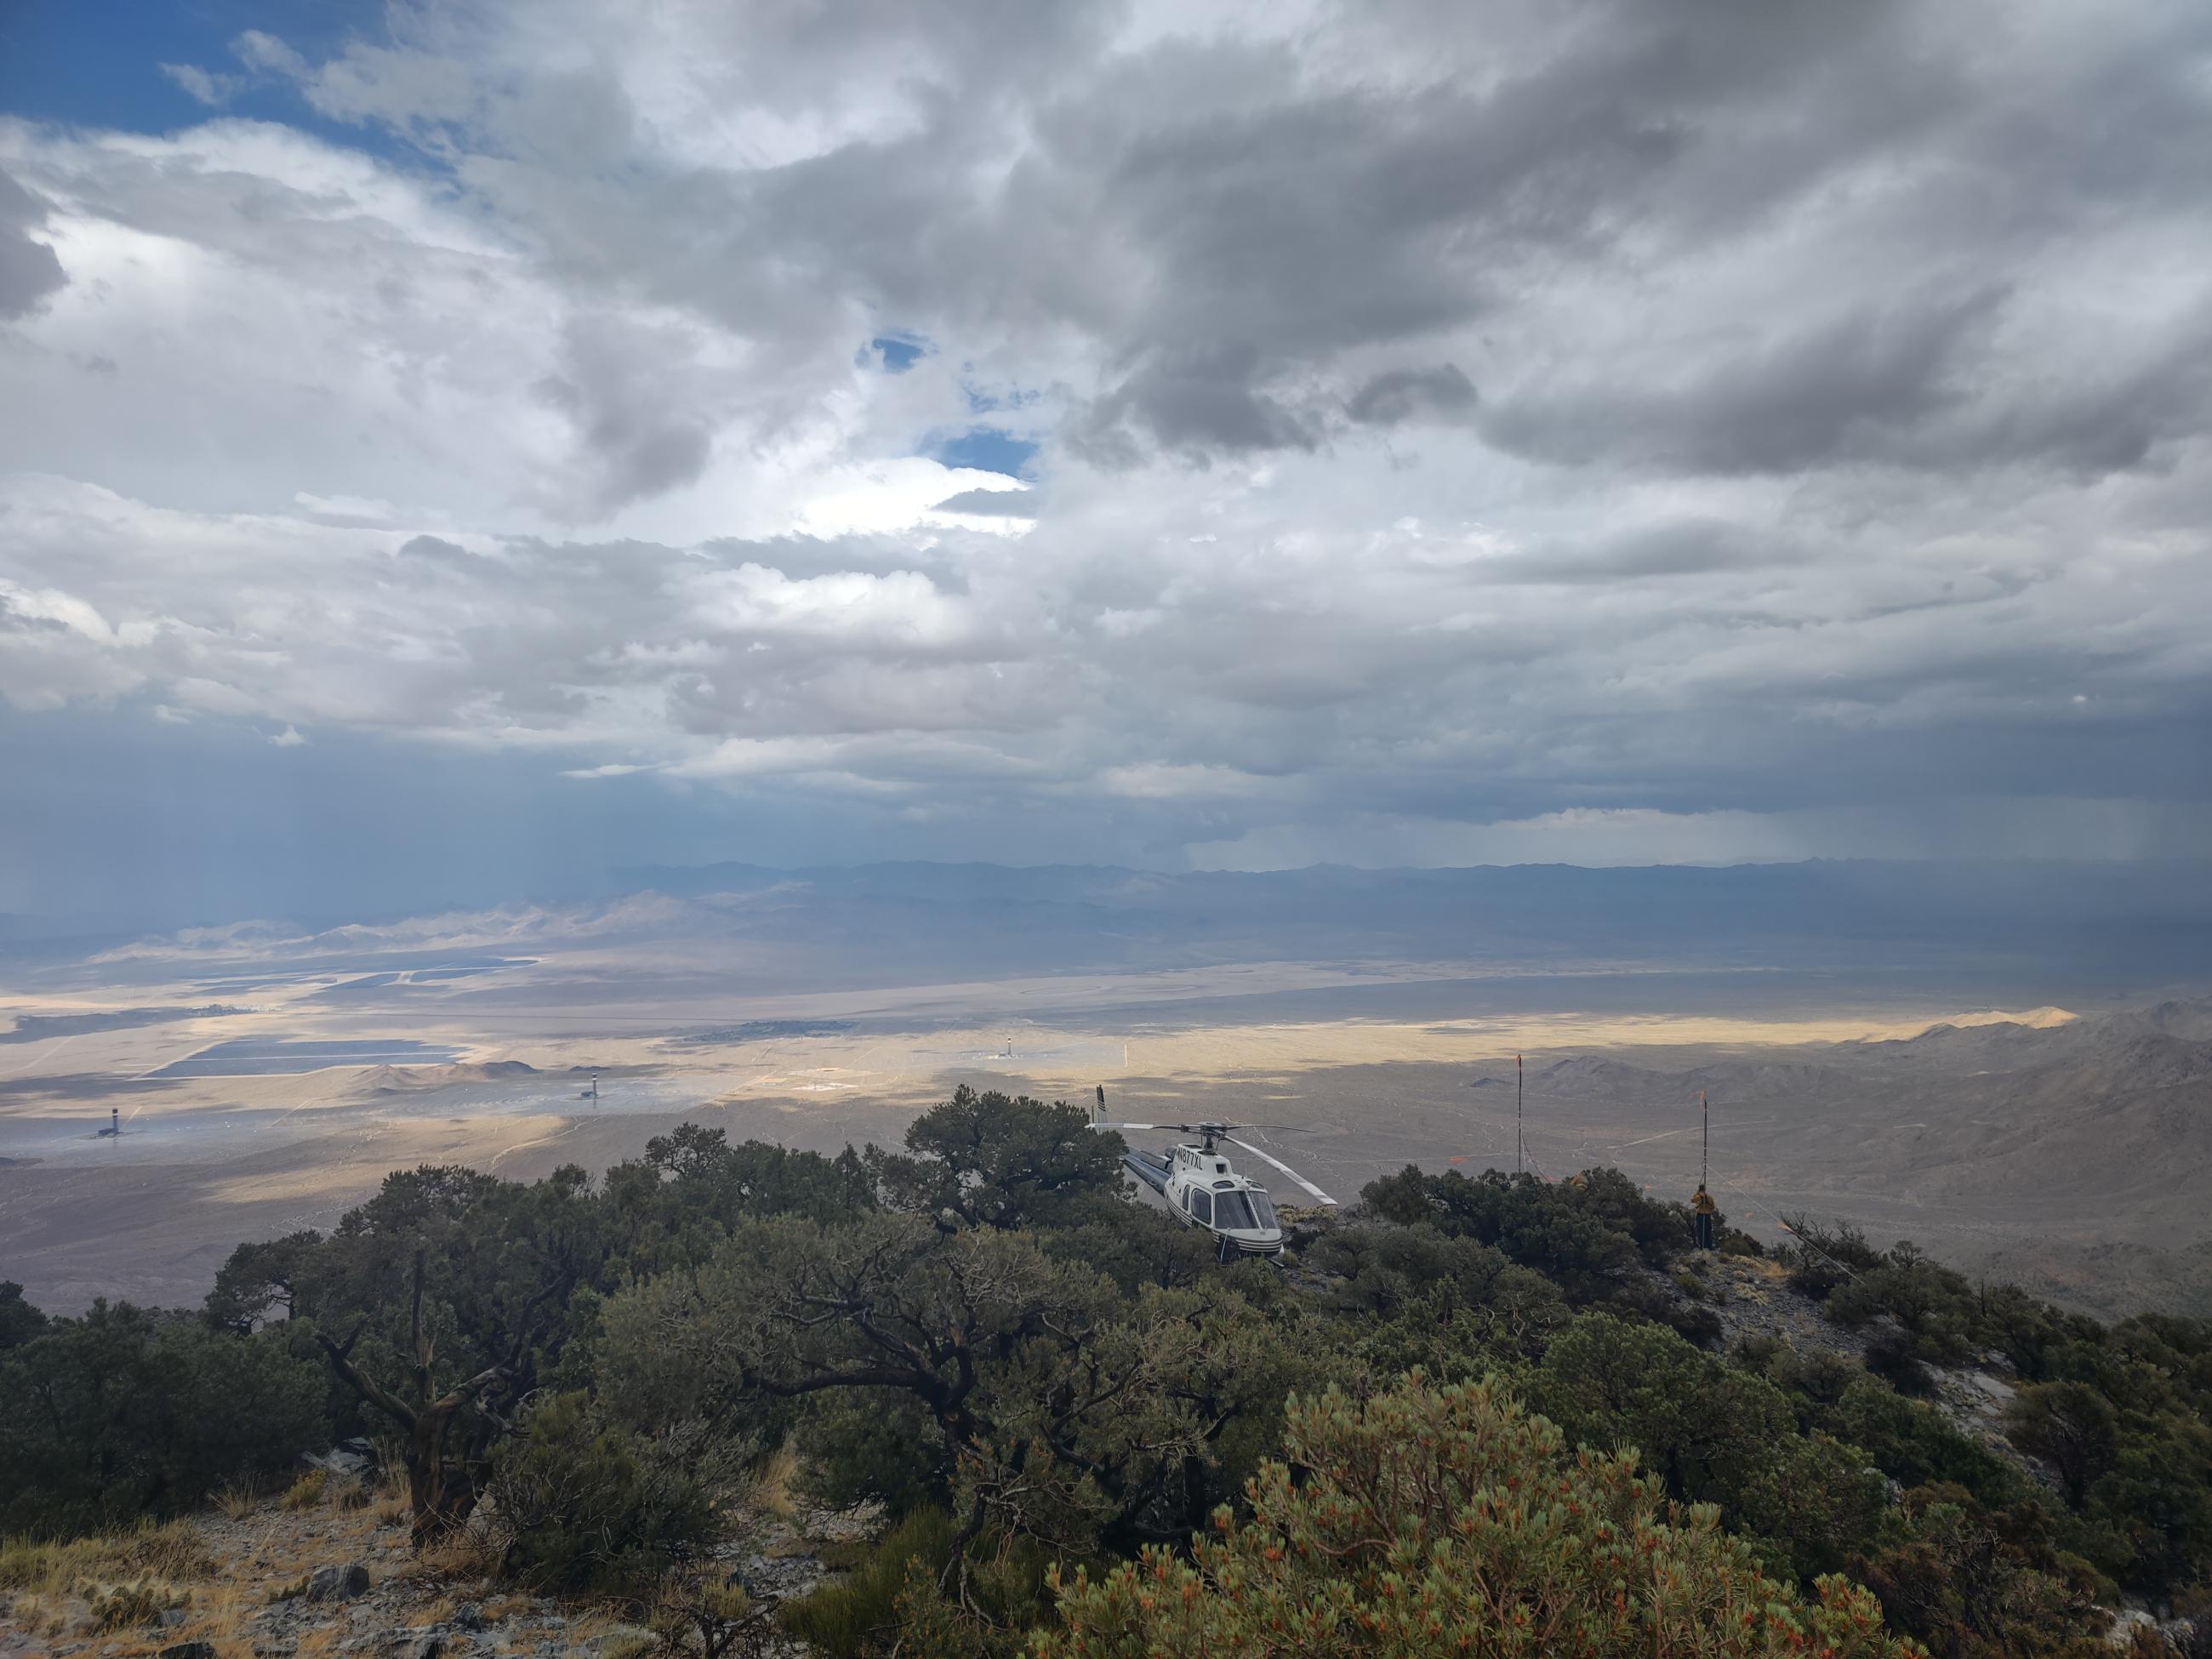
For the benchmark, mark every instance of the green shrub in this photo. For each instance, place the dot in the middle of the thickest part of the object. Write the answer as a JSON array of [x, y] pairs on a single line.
[[1711, 1434], [1892, 1358], [1820, 1259], [2069, 1426], [996, 1161], [1818, 1378], [1916, 1445], [896, 1597], [871, 1445], [701, 1606], [19, 1321], [1584, 1234], [1428, 1523], [859, 1613], [1974, 1585], [582, 1504], [144, 1413]]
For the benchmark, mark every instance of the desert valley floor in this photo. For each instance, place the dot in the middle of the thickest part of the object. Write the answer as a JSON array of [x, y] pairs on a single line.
[[261, 1093]]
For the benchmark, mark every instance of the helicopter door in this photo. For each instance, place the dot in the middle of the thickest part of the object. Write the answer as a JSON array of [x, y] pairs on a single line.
[[1202, 1207]]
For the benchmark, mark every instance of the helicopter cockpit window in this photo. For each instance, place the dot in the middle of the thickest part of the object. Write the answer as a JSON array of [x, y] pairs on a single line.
[[1233, 1211], [1263, 1209], [1201, 1205]]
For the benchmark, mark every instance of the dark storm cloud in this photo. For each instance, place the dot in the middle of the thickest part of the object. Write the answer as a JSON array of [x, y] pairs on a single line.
[[1199, 402], [1860, 386], [1407, 394], [1678, 548], [1895, 383], [29, 269], [621, 387], [1284, 221], [433, 547], [1227, 218]]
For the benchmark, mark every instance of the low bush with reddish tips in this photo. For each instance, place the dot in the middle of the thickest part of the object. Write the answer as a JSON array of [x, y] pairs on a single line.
[[1435, 1523]]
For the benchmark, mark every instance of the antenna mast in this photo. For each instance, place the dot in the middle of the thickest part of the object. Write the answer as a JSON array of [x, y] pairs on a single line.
[[1706, 1155], [1516, 1115]]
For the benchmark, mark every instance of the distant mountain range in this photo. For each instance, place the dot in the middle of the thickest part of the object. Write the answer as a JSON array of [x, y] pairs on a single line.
[[2104, 934], [2147, 923], [2070, 1155]]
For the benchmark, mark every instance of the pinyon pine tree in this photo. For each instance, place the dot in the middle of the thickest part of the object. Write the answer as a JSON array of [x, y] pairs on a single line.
[[1442, 1522]]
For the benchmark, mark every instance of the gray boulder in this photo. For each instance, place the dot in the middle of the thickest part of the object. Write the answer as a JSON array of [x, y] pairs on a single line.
[[428, 1642], [337, 1583]]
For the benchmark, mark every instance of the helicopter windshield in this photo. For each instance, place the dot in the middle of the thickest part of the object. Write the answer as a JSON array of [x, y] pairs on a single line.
[[1233, 1211], [1262, 1208]]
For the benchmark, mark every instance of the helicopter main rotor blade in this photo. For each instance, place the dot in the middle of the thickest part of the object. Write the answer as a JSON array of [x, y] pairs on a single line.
[[1136, 1126], [1283, 1167]]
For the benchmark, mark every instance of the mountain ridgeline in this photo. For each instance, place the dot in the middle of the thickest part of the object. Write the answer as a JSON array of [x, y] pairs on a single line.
[[2134, 923], [2072, 926], [1473, 1414]]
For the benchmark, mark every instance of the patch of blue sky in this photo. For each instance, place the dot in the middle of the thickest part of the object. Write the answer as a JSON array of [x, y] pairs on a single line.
[[102, 65], [986, 448], [894, 353]]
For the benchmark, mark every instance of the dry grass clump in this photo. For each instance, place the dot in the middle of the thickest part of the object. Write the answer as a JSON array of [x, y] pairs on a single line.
[[307, 1492], [771, 1492], [124, 1578], [469, 1553], [167, 1550], [389, 1459], [612, 1634], [386, 1488], [236, 1501]]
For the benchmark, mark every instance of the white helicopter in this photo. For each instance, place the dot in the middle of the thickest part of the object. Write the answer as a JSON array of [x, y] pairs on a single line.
[[1203, 1191]]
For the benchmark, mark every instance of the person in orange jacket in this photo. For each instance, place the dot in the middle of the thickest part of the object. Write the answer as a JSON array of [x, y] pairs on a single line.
[[1702, 1210]]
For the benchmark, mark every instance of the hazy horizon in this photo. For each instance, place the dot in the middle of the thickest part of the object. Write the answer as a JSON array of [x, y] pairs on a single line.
[[2157, 910]]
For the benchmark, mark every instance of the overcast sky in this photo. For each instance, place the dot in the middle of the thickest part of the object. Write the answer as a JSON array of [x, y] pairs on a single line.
[[515, 437]]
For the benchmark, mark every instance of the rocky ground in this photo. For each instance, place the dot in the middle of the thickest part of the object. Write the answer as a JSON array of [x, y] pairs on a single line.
[[1752, 1298], [337, 1578]]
